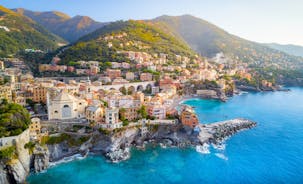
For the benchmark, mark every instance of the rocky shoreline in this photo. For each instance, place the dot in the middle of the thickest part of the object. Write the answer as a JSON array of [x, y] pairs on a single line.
[[116, 145]]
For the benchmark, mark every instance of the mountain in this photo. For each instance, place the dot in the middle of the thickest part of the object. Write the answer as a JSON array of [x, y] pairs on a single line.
[[104, 43], [295, 50], [208, 40], [69, 28], [18, 32]]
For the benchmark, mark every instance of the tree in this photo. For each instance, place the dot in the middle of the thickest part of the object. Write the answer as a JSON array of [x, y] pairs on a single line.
[[142, 111], [122, 114], [123, 90]]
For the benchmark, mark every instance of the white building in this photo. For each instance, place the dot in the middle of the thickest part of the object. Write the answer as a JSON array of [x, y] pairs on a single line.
[[112, 119], [65, 106]]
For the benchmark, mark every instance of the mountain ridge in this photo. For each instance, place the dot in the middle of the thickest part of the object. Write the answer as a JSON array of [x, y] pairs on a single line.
[[138, 36], [19, 32], [61, 24], [208, 39], [296, 50]]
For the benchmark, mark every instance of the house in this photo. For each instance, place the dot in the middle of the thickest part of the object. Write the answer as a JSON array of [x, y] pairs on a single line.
[[35, 131], [129, 76], [188, 117], [125, 65], [130, 113], [39, 94], [157, 111], [120, 80], [112, 74], [6, 93], [146, 77], [111, 119], [94, 113]]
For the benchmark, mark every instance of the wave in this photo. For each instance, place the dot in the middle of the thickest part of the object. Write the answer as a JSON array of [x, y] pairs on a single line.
[[68, 159], [221, 155], [204, 149]]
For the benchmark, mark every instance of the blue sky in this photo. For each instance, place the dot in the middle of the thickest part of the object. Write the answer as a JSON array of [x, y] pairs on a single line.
[[278, 21]]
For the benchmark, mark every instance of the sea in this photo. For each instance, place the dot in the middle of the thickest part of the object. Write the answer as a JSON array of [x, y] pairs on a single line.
[[270, 153]]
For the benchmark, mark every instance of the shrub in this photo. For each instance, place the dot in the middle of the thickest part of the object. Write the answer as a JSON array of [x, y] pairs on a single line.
[[8, 153]]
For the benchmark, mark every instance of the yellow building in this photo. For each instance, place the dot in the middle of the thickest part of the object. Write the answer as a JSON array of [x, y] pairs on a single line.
[[2, 65], [6, 93], [35, 131], [94, 114]]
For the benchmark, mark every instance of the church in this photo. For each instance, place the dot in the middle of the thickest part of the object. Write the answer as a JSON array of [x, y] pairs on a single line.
[[64, 106]]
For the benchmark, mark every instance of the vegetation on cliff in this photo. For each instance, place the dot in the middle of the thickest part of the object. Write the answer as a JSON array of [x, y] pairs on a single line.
[[14, 119], [71, 140]]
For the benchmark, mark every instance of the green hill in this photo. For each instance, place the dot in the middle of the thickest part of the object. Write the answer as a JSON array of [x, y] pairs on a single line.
[[141, 36], [208, 40], [69, 28], [18, 33]]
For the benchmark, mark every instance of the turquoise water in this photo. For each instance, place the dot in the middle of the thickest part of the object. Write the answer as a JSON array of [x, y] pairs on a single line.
[[270, 153]]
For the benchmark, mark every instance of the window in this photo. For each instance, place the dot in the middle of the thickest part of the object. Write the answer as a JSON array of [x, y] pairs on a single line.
[[56, 111]]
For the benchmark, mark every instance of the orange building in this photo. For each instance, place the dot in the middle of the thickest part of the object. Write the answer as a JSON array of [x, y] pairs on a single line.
[[112, 74], [188, 117], [130, 113]]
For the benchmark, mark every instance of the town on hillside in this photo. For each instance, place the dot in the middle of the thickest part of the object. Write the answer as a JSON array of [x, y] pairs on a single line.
[[120, 95]]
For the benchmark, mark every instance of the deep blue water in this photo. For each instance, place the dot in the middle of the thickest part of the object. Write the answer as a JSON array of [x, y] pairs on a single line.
[[270, 153]]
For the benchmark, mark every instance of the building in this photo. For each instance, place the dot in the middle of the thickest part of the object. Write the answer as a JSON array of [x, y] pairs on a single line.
[[155, 90], [35, 132], [130, 113], [112, 119], [2, 65], [146, 77], [119, 80], [157, 111], [130, 76], [6, 93], [39, 94], [65, 106], [112, 74], [189, 117], [94, 114]]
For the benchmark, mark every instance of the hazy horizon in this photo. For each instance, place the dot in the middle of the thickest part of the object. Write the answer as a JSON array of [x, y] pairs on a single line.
[[265, 22]]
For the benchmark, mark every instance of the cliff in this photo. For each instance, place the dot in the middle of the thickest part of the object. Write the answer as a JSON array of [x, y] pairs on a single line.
[[115, 145], [16, 168]]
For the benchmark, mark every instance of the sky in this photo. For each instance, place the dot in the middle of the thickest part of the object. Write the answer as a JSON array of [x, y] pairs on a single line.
[[265, 21]]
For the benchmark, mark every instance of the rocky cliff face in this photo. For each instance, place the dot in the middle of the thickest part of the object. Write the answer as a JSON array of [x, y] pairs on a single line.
[[116, 145], [16, 169], [40, 159]]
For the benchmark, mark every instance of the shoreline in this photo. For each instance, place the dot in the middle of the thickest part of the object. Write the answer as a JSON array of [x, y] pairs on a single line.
[[178, 136]]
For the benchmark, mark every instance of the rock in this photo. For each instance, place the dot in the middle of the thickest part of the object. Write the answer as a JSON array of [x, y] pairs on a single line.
[[3, 174], [40, 159], [118, 155], [16, 172]]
